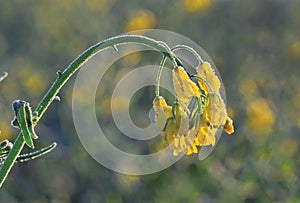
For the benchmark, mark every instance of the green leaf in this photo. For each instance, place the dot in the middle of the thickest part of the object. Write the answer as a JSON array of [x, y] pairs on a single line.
[[21, 116], [29, 117], [36, 154]]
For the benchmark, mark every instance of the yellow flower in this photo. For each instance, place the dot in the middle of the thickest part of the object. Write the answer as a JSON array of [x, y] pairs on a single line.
[[181, 119], [192, 150], [184, 87], [206, 72], [215, 111], [186, 129], [176, 130], [206, 136], [228, 127], [177, 125], [170, 133], [205, 133], [162, 112], [175, 141], [185, 144], [192, 143]]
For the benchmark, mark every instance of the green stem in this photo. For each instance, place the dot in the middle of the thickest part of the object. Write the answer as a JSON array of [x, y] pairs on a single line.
[[205, 81], [11, 158], [161, 65], [65, 76], [190, 49]]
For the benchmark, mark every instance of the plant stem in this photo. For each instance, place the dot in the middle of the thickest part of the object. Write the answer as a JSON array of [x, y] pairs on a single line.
[[80, 60], [211, 91], [11, 158], [157, 82], [190, 49], [65, 76]]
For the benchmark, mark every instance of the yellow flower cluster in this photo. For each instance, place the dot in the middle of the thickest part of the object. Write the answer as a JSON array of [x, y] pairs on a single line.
[[185, 130]]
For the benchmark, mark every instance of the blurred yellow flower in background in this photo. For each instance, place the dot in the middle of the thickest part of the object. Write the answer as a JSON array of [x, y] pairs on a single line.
[[34, 84], [142, 19], [196, 5], [260, 117]]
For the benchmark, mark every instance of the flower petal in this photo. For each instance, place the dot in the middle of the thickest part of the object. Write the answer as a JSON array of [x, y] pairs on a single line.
[[184, 87], [205, 71], [228, 127], [215, 111], [181, 119], [162, 112]]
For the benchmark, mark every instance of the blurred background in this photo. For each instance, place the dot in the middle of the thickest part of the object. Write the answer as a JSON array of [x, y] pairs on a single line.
[[254, 44]]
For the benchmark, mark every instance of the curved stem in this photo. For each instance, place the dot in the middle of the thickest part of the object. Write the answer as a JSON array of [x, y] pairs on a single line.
[[190, 49], [157, 82], [65, 76], [205, 81], [80, 60]]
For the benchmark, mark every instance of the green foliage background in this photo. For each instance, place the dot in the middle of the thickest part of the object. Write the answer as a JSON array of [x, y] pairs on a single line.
[[255, 46]]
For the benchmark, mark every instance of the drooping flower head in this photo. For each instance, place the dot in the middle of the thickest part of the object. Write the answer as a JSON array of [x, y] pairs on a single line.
[[185, 129]]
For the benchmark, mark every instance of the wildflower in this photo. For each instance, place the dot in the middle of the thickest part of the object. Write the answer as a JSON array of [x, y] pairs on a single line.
[[162, 112], [228, 127], [206, 72], [176, 129], [215, 111], [178, 124], [206, 133], [192, 144], [187, 129], [184, 87]]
